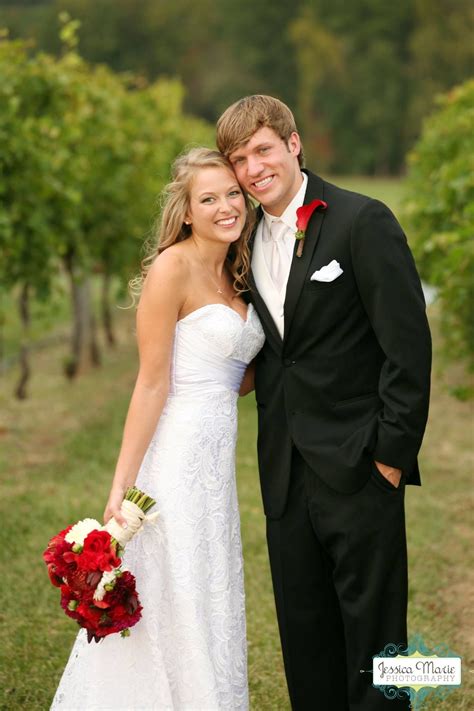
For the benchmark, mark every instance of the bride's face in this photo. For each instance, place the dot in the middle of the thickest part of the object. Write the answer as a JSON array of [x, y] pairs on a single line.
[[217, 205]]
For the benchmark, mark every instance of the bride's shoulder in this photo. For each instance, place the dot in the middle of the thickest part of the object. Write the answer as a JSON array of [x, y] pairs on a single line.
[[172, 265], [168, 275]]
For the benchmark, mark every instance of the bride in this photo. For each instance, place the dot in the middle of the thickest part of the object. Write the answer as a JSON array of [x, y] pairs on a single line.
[[196, 337]]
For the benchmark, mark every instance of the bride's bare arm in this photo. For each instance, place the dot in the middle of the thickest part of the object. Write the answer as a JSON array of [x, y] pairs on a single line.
[[162, 297]]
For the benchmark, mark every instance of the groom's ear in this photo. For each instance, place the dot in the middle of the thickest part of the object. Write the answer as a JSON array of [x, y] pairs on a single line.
[[294, 144]]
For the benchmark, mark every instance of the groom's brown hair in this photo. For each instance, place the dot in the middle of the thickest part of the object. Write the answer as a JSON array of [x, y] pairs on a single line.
[[240, 121]]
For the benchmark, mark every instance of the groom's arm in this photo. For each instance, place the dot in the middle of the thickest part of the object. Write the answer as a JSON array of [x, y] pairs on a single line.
[[391, 292]]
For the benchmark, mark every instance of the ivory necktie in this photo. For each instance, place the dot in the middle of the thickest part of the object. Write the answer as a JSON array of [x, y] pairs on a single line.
[[278, 254]]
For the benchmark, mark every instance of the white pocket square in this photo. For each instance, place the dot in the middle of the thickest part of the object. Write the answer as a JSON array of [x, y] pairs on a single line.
[[328, 273]]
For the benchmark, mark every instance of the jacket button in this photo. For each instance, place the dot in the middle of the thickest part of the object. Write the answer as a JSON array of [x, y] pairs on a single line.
[[287, 362]]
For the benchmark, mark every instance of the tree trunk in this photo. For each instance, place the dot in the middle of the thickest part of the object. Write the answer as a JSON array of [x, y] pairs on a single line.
[[81, 326], [107, 320], [25, 371], [94, 348]]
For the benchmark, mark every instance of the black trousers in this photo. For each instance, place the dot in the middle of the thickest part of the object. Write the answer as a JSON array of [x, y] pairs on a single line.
[[339, 569]]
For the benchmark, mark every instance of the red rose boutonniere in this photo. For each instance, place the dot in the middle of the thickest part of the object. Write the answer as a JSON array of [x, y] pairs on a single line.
[[303, 215]]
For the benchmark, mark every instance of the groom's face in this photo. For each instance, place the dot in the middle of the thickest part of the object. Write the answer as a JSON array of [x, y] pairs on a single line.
[[267, 167]]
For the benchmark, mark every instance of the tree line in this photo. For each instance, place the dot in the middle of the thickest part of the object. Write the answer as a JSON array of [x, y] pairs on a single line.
[[361, 75], [84, 151], [439, 207], [83, 154]]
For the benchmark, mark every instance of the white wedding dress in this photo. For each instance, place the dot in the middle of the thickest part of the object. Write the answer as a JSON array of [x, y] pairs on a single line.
[[188, 652]]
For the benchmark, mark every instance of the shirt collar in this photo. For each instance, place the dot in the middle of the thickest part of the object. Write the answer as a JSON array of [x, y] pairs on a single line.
[[288, 217]]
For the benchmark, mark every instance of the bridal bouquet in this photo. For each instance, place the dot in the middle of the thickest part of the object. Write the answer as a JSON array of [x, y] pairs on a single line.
[[84, 561]]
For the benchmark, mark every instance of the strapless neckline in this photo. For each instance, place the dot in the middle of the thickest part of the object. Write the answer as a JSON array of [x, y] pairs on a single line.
[[229, 308]]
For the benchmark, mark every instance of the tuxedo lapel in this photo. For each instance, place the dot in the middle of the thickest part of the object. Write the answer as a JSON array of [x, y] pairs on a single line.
[[300, 265]]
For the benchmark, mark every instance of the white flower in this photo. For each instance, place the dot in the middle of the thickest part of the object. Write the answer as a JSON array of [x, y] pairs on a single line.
[[107, 578], [81, 530]]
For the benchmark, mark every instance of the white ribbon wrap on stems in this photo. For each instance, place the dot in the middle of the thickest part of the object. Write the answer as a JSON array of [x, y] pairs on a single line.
[[135, 518]]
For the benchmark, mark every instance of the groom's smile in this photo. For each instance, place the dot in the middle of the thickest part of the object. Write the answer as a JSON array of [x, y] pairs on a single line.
[[264, 183]]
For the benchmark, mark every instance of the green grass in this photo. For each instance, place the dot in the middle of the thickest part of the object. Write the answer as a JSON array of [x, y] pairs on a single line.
[[389, 190], [267, 683], [59, 451], [57, 454]]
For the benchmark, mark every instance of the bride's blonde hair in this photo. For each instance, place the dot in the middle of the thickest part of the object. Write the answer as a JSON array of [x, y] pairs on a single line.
[[170, 227]]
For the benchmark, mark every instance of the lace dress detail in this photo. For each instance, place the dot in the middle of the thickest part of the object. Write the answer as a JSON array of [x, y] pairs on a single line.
[[189, 651]]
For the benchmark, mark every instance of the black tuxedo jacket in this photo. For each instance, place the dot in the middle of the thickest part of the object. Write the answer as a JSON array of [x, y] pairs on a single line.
[[350, 381]]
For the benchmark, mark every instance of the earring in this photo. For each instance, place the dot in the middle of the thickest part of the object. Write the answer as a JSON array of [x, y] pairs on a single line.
[[187, 223]]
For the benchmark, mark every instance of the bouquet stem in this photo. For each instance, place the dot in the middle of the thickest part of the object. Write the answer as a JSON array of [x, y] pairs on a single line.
[[142, 500]]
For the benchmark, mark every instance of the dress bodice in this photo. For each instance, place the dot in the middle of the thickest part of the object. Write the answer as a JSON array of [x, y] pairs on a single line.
[[213, 346]]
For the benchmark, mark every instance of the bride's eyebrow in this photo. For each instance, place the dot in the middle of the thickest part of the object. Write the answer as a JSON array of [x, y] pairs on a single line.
[[208, 193]]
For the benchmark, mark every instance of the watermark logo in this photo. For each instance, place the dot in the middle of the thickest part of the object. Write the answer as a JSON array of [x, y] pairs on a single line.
[[416, 672]]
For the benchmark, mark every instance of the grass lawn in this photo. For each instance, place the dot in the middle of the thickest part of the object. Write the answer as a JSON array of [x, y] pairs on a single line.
[[57, 454], [389, 190]]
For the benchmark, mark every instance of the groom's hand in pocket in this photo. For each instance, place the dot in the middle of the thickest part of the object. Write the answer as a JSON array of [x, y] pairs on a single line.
[[390, 473]]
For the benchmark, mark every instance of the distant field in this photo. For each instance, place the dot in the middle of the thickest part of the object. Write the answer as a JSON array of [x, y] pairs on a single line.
[[57, 453], [389, 190]]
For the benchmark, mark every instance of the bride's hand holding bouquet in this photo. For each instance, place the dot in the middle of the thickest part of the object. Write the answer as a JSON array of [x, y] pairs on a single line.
[[113, 506]]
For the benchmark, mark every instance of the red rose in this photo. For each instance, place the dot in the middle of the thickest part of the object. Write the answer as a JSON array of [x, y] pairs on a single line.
[[57, 557], [98, 552], [303, 216], [57, 542]]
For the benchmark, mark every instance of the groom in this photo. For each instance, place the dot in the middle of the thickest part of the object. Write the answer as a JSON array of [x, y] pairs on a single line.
[[342, 388]]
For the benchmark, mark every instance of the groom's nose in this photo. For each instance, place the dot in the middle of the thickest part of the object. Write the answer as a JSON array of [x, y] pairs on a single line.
[[254, 166]]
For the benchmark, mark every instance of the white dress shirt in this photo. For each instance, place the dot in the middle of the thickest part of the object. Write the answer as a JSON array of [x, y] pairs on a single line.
[[262, 255]]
